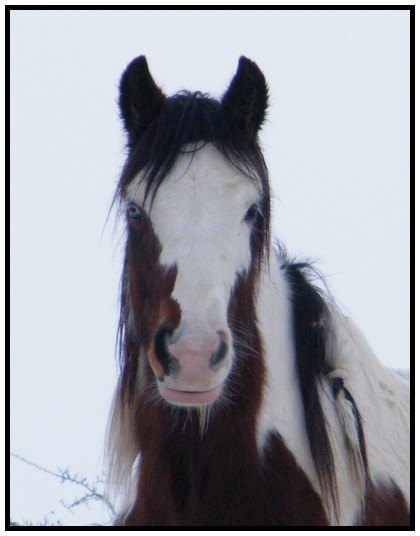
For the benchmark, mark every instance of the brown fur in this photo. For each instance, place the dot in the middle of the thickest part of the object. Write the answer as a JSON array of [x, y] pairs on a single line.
[[387, 507]]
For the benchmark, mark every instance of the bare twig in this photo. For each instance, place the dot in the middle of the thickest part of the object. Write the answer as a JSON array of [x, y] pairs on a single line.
[[64, 475]]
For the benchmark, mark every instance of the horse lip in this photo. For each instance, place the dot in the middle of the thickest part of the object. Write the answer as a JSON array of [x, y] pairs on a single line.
[[189, 398]]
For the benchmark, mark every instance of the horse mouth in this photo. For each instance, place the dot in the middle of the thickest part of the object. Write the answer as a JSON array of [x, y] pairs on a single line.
[[189, 398]]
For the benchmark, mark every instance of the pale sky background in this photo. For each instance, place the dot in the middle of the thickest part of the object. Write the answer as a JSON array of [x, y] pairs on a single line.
[[337, 148]]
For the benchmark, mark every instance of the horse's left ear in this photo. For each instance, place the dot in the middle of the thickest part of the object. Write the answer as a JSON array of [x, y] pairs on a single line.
[[246, 99]]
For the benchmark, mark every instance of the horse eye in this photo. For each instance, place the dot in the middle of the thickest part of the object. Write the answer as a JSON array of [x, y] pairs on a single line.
[[252, 213], [134, 212]]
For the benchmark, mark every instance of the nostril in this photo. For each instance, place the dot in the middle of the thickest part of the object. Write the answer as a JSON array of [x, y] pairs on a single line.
[[219, 355], [170, 365], [174, 335]]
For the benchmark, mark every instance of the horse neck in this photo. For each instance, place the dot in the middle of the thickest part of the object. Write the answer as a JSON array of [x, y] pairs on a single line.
[[282, 408]]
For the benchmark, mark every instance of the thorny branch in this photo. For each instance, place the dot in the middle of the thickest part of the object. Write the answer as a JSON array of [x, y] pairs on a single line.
[[64, 475]]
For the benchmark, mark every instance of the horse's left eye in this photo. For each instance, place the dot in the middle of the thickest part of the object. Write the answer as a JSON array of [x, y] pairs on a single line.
[[252, 213], [134, 212]]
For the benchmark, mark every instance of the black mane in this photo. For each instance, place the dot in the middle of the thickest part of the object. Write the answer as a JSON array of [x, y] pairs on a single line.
[[312, 335]]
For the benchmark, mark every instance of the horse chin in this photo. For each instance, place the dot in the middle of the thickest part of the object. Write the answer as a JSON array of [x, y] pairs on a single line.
[[189, 398]]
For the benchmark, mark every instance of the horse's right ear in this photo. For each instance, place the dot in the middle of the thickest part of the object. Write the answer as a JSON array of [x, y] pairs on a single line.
[[140, 99]]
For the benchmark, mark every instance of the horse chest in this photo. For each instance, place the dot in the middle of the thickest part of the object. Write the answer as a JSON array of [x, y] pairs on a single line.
[[227, 489]]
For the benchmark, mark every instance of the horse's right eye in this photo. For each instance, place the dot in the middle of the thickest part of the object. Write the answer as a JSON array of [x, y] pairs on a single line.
[[134, 212]]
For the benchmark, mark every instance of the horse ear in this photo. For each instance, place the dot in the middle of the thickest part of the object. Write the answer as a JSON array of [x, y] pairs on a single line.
[[140, 98], [246, 99]]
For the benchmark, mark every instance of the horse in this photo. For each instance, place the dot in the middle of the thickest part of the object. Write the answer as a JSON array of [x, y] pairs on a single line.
[[245, 396]]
